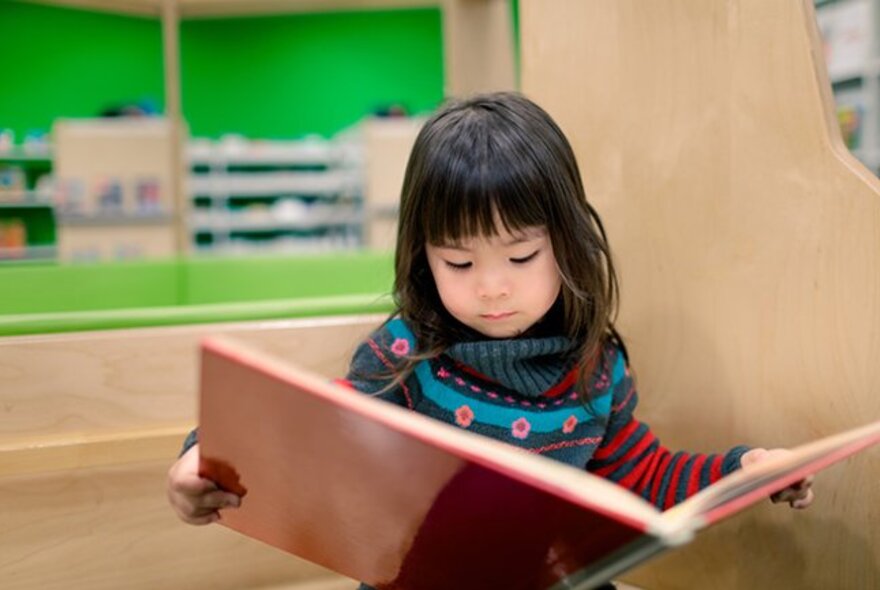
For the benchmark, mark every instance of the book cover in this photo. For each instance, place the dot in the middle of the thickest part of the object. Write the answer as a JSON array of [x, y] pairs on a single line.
[[403, 502]]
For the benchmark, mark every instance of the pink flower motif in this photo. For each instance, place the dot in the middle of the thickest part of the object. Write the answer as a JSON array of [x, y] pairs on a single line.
[[520, 429], [464, 416], [459, 380], [526, 403], [475, 388], [542, 405], [558, 402], [569, 425], [492, 394], [573, 396], [442, 373], [400, 347], [509, 399]]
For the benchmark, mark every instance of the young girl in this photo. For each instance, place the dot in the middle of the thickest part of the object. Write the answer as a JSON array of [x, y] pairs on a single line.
[[506, 294]]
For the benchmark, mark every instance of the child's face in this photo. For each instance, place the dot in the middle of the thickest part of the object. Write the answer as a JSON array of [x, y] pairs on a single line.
[[500, 285]]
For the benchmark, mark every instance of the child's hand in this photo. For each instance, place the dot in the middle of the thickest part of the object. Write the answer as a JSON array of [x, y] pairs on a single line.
[[798, 495], [196, 500]]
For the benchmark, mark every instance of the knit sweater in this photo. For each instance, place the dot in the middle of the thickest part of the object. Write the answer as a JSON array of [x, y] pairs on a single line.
[[522, 391]]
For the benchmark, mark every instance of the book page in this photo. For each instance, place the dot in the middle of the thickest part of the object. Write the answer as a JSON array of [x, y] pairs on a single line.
[[746, 487]]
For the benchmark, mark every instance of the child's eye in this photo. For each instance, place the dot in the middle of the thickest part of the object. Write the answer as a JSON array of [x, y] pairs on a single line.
[[458, 265], [524, 259]]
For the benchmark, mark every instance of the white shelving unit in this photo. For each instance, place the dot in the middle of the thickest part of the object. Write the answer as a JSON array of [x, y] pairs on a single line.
[[850, 30], [251, 196]]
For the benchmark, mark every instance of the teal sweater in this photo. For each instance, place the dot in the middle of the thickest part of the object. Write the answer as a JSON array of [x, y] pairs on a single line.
[[521, 391]]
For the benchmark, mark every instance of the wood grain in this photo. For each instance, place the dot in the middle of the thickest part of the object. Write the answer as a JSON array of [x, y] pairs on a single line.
[[748, 243]]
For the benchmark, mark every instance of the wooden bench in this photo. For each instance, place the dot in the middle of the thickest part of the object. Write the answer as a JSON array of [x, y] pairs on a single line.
[[91, 423]]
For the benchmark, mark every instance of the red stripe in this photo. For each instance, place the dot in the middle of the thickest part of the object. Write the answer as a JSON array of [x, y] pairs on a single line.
[[693, 485], [657, 474], [715, 469], [633, 476], [473, 372], [635, 479], [606, 451], [650, 468], [564, 385], [673, 482], [343, 382], [568, 443]]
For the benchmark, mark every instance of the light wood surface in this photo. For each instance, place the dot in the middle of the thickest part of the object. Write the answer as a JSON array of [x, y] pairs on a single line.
[[92, 422], [387, 144], [92, 153], [748, 243], [102, 383], [477, 46]]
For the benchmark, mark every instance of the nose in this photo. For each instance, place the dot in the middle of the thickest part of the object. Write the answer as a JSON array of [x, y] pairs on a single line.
[[493, 285]]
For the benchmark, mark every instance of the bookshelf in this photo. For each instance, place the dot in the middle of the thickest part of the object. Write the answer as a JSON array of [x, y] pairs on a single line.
[[387, 144], [27, 219], [849, 30], [113, 185], [275, 196]]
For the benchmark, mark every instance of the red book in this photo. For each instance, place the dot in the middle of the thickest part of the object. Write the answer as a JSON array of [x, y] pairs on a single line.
[[400, 501]]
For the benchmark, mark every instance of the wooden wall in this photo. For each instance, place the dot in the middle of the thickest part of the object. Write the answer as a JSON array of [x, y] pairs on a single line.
[[91, 423], [748, 242]]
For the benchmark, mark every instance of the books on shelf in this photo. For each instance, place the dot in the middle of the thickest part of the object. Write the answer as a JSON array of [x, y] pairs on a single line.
[[846, 29], [398, 500]]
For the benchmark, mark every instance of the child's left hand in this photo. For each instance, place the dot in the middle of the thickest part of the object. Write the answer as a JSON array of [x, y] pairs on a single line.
[[798, 495]]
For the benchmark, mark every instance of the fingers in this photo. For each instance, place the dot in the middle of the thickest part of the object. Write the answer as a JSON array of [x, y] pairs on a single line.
[[196, 500], [799, 495]]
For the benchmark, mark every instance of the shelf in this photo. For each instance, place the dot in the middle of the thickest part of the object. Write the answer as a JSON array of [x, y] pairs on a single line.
[[12, 202], [68, 219], [19, 154], [266, 153], [274, 225], [223, 185], [277, 247], [29, 253]]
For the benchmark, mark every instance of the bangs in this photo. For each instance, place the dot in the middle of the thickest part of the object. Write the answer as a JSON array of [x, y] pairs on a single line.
[[474, 182]]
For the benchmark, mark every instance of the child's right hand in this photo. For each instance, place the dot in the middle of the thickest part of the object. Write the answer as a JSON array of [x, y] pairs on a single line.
[[196, 500]]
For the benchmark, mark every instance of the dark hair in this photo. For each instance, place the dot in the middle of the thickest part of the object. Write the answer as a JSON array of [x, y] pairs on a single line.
[[500, 154]]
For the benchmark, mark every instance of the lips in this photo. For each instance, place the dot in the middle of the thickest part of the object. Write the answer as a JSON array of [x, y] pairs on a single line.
[[497, 316]]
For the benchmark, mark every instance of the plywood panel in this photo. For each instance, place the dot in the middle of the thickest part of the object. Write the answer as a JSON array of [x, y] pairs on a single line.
[[113, 381], [748, 243], [92, 422]]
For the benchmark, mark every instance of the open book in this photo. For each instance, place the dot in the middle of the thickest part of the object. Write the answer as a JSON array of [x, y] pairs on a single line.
[[401, 501]]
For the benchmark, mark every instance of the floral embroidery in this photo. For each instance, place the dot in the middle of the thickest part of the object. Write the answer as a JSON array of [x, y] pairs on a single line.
[[400, 346], [569, 425], [464, 416], [520, 429], [509, 399], [475, 388], [492, 394], [442, 373], [526, 403], [459, 380]]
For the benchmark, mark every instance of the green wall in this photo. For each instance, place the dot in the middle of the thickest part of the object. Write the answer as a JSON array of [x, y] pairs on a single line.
[[278, 76], [71, 63], [289, 75]]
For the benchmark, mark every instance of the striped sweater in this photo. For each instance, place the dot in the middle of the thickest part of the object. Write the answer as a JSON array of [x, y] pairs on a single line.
[[498, 392]]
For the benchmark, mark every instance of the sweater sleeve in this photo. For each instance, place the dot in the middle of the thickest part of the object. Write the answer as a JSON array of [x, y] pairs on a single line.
[[371, 371], [374, 365], [630, 455]]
